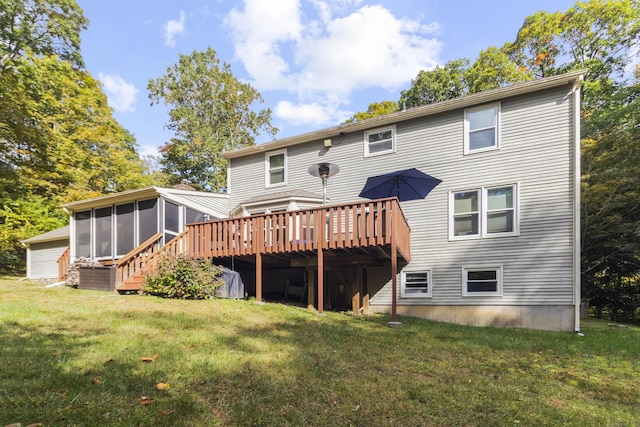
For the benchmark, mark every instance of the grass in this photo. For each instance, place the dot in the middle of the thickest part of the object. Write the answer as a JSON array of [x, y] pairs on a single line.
[[73, 358]]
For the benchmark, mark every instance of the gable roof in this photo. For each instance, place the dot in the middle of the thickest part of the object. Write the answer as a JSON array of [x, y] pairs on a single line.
[[50, 236], [422, 111], [214, 204]]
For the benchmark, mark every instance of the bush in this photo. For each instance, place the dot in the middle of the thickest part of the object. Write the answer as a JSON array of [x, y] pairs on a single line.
[[184, 278]]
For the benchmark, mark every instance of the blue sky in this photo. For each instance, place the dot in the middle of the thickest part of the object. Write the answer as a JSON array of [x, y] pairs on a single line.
[[315, 62]]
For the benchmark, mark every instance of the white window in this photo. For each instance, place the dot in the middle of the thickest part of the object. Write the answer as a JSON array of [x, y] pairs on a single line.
[[276, 168], [482, 281], [481, 129], [416, 284], [483, 212], [380, 141]]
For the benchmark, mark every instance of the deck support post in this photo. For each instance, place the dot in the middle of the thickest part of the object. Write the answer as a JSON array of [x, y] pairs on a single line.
[[258, 277], [394, 273], [311, 289], [320, 280], [259, 239]]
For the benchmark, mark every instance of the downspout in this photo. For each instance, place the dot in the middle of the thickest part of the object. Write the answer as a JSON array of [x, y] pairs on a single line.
[[576, 203]]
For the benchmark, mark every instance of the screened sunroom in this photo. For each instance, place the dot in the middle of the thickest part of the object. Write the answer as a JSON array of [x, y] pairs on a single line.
[[107, 228]]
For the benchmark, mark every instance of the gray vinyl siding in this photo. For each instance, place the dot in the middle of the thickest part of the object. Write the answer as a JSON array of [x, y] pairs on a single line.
[[42, 260], [536, 140]]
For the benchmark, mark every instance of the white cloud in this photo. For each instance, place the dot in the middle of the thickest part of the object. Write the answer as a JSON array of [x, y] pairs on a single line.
[[121, 94], [174, 28], [258, 31], [314, 113], [148, 150], [324, 53]]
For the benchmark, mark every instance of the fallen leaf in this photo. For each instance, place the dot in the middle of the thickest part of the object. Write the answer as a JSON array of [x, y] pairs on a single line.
[[164, 413], [163, 386], [96, 381], [149, 359], [216, 413], [144, 400], [63, 393]]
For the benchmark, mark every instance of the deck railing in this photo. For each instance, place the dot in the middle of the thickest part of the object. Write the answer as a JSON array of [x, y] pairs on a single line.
[[350, 225], [63, 264]]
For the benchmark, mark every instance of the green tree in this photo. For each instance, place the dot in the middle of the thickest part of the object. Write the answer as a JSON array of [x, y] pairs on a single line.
[[58, 134], [59, 142], [210, 112], [41, 27], [611, 206], [437, 85], [492, 69], [375, 109]]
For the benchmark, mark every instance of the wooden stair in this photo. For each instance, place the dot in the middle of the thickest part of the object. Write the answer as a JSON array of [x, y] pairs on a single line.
[[132, 268]]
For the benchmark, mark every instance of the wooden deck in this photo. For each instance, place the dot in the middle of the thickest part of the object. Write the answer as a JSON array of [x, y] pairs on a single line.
[[376, 226]]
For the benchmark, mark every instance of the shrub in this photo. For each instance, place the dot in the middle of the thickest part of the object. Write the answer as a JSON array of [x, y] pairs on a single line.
[[185, 278]]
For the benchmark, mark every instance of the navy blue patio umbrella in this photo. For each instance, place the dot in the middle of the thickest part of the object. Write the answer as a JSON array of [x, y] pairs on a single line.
[[407, 184]]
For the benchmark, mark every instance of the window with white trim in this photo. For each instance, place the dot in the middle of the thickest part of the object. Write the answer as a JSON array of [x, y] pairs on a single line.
[[482, 281], [484, 212], [380, 141], [415, 284], [276, 168], [481, 129]]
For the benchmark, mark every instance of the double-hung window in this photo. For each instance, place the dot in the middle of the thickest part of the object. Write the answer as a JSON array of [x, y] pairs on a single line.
[[484, 212], [482, 281], [276, 168], [380, 141], [481, 128], [416, 284]]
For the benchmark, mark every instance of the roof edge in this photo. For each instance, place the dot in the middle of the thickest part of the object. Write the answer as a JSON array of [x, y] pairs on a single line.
[[422, 111], [129, 195]]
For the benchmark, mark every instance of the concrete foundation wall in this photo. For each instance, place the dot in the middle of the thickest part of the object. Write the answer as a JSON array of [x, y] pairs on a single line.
[[550, 318]]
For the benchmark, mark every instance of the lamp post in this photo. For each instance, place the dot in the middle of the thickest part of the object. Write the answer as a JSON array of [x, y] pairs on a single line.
[[324, 171]]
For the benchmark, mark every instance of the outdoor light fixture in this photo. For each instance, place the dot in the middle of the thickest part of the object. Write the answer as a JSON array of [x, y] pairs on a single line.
[[324, 171], [327, 142]]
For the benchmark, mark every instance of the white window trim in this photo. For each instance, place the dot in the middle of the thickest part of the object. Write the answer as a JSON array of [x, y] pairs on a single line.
[[267, 163], [380, 153], [467, 149], [496, 268], [403, 281], [482, 228]]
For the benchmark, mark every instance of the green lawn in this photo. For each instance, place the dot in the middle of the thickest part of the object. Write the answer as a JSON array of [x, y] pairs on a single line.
[[74, 358]]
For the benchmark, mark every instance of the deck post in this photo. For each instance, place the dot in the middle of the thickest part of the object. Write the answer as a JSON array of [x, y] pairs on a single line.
[[311, 289], [394, 270], [320, 220], [259, 244], [258, 276], [320, 280]]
